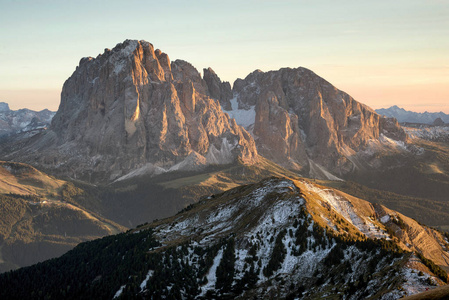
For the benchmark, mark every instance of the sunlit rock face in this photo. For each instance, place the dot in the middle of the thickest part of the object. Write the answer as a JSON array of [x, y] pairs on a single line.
[[130, 107], [301, 120]]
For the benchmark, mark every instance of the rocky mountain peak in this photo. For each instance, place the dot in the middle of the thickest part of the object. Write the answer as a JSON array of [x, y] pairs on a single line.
[[438, 122], [4, 107], [303, 122], [130, 107], [218, 89]]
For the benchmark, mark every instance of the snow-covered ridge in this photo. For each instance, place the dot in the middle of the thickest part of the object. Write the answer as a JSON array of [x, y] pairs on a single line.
[[277, 210], [346, 209], [428, 133], [223, 220]]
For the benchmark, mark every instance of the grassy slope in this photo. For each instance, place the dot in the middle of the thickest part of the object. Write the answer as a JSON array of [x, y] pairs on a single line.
[[143, 199], [415, 185], [431, 212], [39, 219], [419, 176]]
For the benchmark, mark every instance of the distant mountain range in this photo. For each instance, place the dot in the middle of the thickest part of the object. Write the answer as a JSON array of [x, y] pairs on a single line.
[[403, 115], [22, 120]]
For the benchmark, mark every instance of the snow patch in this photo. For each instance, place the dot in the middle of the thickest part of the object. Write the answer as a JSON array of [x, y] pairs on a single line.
[[243, 117], [211, 275], [144, 282], [345, 208], [385, 219], [392, 143], [428, 133], [119, 292]]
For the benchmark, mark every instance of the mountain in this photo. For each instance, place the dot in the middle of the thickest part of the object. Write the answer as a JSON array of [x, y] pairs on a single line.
[[132, 109], [144, 137], [403, 115], [277, 239], [436, 133], [23, 120], [39, 219], [301, 121]]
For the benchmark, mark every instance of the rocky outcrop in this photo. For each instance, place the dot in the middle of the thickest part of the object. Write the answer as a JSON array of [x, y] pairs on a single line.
[[303, 122], [218, 89], [130, 107], [438, 122]]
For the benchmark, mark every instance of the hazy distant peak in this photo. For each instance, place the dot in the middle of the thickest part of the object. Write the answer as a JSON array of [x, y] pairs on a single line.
[[4, 106], [403, 115]]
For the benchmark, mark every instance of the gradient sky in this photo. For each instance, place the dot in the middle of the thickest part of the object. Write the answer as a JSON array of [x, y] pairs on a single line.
[[380, 52]]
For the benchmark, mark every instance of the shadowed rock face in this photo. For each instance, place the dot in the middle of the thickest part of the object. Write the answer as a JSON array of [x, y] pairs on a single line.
[[301, 117], [130, 107]]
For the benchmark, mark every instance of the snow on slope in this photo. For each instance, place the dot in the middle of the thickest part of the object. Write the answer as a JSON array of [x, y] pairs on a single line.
[[345, 208], [259, 217], [428, 133], [243, 117]]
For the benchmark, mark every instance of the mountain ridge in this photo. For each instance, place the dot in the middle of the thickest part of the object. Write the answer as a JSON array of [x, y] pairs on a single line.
[[303, 121], [23, 120], [130, 107], [277, 238], [131, 110], [39, 218], [403, 115]]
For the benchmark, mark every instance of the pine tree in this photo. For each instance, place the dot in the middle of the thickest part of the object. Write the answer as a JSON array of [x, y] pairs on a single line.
[[225, 270]]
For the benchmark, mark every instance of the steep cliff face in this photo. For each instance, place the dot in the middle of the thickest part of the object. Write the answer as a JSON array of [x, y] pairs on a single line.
[[131, 107], [300, 120]]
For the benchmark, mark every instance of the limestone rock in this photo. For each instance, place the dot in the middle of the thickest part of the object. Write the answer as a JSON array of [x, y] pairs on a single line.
[[302, 121], [130, 107], [218, 89]]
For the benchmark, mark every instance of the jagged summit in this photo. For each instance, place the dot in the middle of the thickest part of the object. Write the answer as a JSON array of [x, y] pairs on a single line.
[[300, 120], [130, 107]]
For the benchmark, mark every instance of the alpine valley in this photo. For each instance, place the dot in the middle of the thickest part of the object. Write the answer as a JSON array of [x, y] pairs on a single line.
[[281, 187]]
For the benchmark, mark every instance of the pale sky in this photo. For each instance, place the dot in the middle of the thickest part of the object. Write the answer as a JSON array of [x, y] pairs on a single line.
[[382, 53]]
